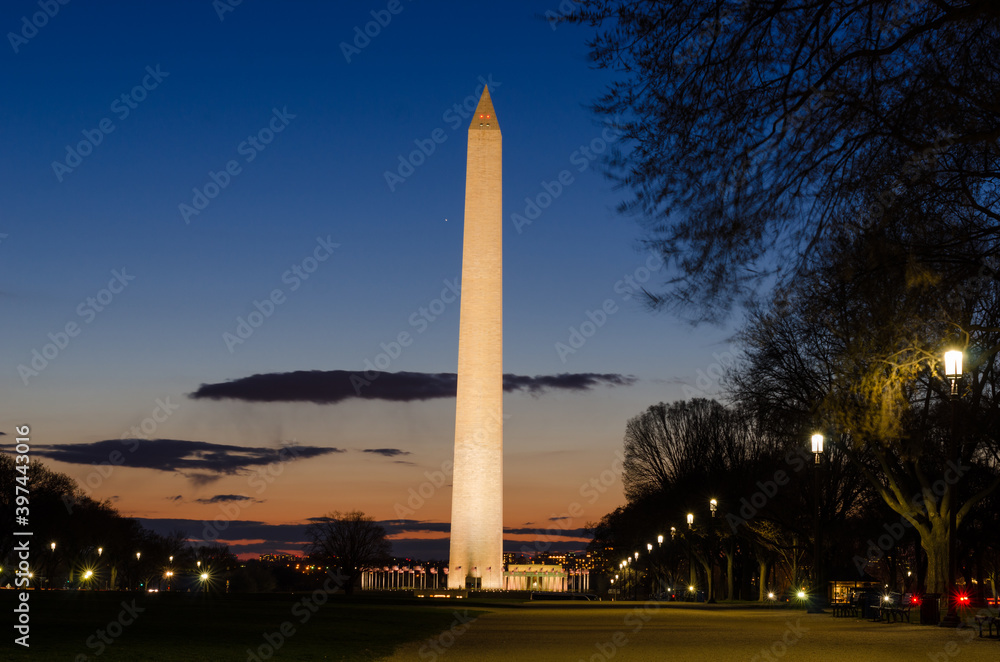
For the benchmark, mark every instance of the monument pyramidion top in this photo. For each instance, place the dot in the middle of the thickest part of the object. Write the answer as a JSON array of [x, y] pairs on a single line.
[[485, 118]]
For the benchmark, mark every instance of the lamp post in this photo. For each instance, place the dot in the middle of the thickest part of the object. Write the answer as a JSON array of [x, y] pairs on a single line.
[[635, 569], [953, 371], [52, 565], [712, 546], [819, 591], [654, 572], [100, 550]]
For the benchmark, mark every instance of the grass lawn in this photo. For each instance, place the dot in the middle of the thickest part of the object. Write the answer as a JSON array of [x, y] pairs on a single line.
[[67, 626]]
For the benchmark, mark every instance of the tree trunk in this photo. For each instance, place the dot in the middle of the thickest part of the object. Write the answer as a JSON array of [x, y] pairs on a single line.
[[709, 579], [730, 584], [765, 570], [935, 544]]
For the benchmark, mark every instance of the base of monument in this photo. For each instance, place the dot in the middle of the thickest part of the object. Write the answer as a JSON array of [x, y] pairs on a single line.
[[444, 593]]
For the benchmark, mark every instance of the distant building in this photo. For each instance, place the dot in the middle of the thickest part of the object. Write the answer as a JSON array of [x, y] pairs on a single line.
[[545, 577]]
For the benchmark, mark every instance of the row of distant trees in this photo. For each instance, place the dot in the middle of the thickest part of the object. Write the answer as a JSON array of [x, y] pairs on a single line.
[[121, 554], [92, 535], [828, 173]]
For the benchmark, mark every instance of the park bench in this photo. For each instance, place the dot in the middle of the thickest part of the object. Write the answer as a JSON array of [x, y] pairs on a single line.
[[871, 606], [849, 607], [892, 607], [990, 622], [898, 607]]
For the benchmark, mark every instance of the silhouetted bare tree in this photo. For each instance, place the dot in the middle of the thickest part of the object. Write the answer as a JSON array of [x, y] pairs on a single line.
[[350, 541], [752, 129]]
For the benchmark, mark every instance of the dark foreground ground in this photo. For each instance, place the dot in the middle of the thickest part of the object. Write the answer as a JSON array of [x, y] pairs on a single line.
[[83, 626], [98, 626]]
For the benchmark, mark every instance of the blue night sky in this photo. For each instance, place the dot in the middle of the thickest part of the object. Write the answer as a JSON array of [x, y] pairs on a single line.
[[118, 114]]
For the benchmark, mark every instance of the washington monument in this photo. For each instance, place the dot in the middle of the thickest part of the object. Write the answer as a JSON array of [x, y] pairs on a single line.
[[477, 486]]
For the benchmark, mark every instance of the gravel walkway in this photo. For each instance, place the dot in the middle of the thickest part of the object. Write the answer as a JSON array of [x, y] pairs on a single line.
[[652, 632]]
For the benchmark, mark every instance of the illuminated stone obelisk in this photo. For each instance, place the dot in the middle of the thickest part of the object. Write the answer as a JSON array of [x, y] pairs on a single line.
[[477, 484]]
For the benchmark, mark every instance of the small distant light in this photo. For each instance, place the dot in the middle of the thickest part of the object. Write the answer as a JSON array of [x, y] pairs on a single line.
[[204, 576], [801, 594], [770, 596]]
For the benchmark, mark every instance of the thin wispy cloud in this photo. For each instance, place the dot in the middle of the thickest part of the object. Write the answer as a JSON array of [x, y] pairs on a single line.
[[567, 533], [227, 498], [386, 452]]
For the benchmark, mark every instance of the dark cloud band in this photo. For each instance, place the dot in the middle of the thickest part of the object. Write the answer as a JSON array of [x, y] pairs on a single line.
[[326, 387], [177, 454]]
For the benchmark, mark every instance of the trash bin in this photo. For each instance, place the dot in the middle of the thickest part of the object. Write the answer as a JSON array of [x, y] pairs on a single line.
[[930, 611]]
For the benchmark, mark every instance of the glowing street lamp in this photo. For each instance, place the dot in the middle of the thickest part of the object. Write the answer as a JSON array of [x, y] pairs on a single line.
[[673, 532], [100, 550], [659, 540], [690, 520], [637, 556], [713, 505], [138, 555], [649, 546], [953, 368], [817, 446], [53, 546]]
